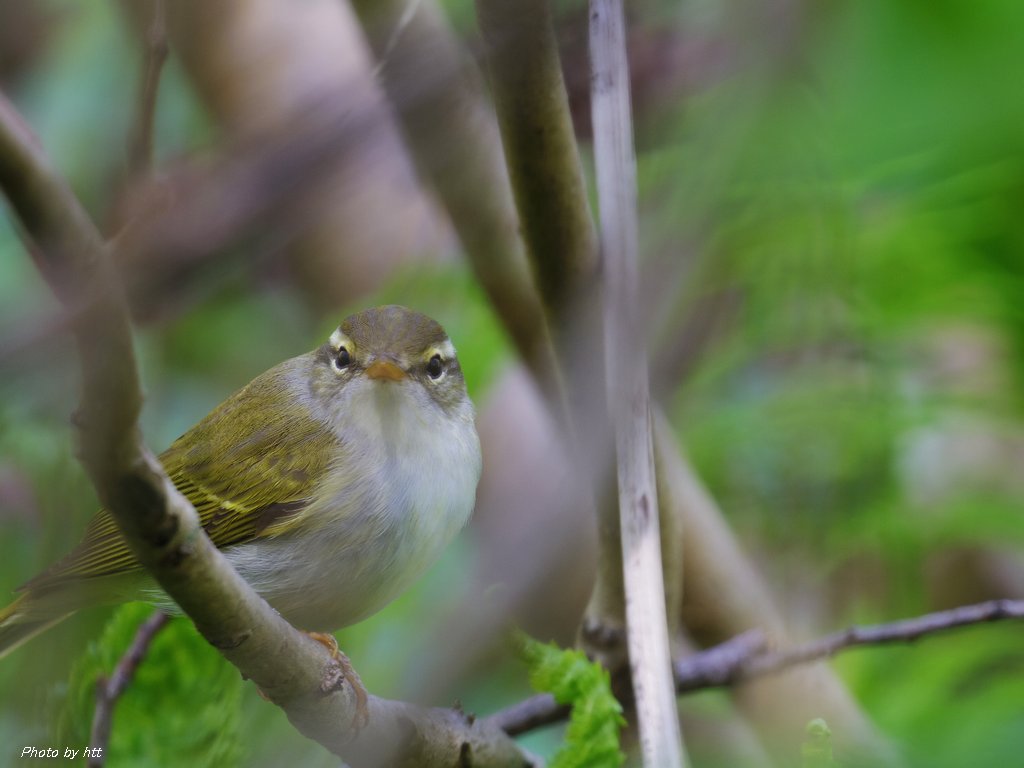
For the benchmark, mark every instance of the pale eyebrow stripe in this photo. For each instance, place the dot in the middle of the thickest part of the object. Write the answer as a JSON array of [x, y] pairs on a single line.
[[339, 340], [445, 349]]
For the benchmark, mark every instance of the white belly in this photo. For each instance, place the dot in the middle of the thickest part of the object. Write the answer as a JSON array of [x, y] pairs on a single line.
[[382, 519]]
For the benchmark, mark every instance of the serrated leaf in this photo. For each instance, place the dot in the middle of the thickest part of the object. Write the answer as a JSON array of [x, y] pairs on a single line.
[[592, 736], [182, 707]]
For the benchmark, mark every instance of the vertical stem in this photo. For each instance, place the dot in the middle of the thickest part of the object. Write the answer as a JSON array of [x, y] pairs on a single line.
[[628, 391], [140, 145]]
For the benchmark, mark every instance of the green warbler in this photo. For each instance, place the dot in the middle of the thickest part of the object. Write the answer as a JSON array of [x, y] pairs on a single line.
[[330, 482]]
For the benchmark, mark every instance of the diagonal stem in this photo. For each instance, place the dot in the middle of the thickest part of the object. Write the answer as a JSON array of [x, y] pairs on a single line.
[[109, 690]]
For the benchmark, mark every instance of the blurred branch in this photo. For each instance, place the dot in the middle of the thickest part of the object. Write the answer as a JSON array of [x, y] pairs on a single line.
[[258, 66], [109, 690], [520, 50], [154, 40], [161, 527], [541, 152], [454, 141], [550, 193], [268, 185], [202, 210], [629, 391], [688, 340], [758, 660], [547, 181], [749, 656]]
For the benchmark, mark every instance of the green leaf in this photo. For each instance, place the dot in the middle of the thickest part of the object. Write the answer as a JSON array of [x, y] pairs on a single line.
[[181, 708], [592, 736], [817, 747]]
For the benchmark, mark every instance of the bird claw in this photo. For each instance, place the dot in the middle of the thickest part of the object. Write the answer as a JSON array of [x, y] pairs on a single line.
[[349, 674]]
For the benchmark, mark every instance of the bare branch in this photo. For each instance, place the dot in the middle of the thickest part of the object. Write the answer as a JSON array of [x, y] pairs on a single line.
[[550, 194], [748, 656], [109, 690], [540, 150], [162, 528], [258, 66], [712, 667], [204, 208], [529, 714], [544, 167], [140, 143], [453, 138], [629, 391], [906, 631]]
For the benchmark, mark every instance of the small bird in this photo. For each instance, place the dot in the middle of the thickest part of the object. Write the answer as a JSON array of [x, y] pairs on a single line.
[[330, 482]]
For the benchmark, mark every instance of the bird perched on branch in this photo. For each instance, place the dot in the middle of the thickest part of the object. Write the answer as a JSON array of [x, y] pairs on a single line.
[[330, 482]]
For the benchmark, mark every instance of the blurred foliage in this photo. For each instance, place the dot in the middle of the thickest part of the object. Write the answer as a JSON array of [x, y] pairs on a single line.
[[183, 690], [592, 736], [951, 701], [852, 171], [816, 751]]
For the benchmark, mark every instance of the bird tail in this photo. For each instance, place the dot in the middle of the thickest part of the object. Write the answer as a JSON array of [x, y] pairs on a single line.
[[19, 624]]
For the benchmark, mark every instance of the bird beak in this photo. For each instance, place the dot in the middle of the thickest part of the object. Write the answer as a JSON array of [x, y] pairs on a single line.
[[385, 370]]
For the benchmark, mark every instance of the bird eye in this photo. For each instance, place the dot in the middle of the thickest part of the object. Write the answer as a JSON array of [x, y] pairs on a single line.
[[343, 359], [435, 367]]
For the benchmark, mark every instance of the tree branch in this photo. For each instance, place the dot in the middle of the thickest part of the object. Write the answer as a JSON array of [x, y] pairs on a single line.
[[749, 656], [540, 150], [155, 49], [259, 67], [109, 690], [555, 220], [729, 595], [766, 662], [545, 170], [629, 391], [161, 527], [453, 138]]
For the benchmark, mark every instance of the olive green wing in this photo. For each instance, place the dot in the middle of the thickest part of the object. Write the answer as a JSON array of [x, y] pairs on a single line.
[[246, 476]]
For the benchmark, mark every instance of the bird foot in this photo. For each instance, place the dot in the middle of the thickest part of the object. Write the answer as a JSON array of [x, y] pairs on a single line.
[[348, 672]]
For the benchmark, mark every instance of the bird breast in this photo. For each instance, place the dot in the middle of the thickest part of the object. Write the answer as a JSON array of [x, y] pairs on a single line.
[[403, 485]]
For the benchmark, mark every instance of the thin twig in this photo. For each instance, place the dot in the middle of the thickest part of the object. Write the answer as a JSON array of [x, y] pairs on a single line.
[[748, 656], [109, 690], [906, 631], [629, 391], [529, 714], [400, 25], [714, 667], [140, 145]]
